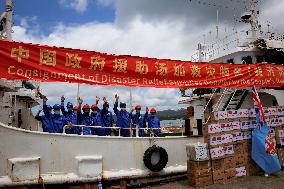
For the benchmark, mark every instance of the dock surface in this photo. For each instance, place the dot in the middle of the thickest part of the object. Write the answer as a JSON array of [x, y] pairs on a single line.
[[252, 182]]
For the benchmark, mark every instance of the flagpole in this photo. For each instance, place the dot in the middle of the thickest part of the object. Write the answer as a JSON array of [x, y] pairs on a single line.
[[78, 90]]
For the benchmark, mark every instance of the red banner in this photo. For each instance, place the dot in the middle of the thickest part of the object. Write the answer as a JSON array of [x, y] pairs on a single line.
[[21, 61]]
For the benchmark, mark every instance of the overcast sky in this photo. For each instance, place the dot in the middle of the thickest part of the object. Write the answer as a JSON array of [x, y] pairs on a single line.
[[154, 28]]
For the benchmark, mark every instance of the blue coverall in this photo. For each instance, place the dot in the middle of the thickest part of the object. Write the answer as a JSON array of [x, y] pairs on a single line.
[[97, 121], [46, 123], [58, 122], [123, 120], [107, 120], [154, 122], [71, 117], [85, 120], [52, 123], [140, 120]]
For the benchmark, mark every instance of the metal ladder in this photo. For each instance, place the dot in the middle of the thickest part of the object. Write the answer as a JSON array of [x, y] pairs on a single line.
[[236, 99]]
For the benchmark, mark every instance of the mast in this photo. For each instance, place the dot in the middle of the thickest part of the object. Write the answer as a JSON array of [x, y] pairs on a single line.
[[6, 21], [251, 17], [9, 19]]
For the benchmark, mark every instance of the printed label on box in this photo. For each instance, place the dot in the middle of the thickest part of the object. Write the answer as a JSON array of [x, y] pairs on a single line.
[[220, 115], [241, 171], [272, 111], [243, 113], [217, 152], [252, 113], [282, 141], [281, 133], [245, 125], [214, 128], [232, 114], [228, 150], [280, 111]]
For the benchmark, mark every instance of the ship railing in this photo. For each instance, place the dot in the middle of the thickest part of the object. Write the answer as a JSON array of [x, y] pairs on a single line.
[[89, 126], [137, 129]]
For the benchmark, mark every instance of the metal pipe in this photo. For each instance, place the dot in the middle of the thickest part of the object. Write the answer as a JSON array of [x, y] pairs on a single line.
[[3, 15]]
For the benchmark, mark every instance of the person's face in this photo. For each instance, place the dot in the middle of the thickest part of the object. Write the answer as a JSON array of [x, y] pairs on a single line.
[[56, 112], [86, 111], [138, 111], [123, 109], [69, 109]]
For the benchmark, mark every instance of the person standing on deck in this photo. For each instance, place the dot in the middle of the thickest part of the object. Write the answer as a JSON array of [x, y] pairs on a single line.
[[52, 122], [95, 109], [154, 122], [45, 119], [85, 118], [58, 120], [106, 118], [139, 120], [71, 116], [96, 118], [123, 117]]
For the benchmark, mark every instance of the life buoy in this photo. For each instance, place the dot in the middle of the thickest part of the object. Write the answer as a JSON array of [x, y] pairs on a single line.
[[162, 161]]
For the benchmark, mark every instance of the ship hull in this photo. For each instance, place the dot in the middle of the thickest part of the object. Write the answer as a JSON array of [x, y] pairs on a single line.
[[60, 159]]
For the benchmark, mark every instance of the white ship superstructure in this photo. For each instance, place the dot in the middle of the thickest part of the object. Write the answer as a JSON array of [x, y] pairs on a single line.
[[240, 47]]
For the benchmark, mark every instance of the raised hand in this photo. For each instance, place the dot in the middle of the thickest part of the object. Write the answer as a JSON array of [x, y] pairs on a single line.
[[39, 109], [104, 99], [147, 109], [62, 98], [80, 101], [44, 99], [116, 97], [97, 99]]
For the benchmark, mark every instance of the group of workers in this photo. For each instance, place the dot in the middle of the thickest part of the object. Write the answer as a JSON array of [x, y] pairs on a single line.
[[99, 121]]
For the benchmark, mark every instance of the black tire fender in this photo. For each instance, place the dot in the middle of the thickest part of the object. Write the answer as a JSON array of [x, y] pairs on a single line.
[[162, 161]]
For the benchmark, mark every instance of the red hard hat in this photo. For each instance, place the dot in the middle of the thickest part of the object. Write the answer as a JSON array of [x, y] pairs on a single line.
[[86, 106], [153, 110], [94, 106], [75, 108], [138, 107]]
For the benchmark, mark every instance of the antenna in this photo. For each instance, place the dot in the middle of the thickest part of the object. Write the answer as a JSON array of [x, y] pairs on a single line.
[[217, 26]]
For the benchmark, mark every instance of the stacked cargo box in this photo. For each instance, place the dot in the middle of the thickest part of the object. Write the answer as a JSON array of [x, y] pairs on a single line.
[[228, 138], [198, 165]]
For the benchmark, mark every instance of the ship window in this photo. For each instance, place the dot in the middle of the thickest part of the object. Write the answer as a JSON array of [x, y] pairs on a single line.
[[231, 61], [247, 60], [259, 59]]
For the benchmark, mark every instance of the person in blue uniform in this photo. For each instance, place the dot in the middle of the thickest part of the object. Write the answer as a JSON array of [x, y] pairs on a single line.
[[154, 122], [123, 118], [106, 118], [52, 122], [97, 120], [95, 109], [71, 116], [139, 120], [58, 120], [45, 119], [84, 118]]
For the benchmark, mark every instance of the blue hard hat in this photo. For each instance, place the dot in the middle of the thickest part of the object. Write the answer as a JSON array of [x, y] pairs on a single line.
[[49, 107], [122, 105], [56, 107], [69, 105]]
